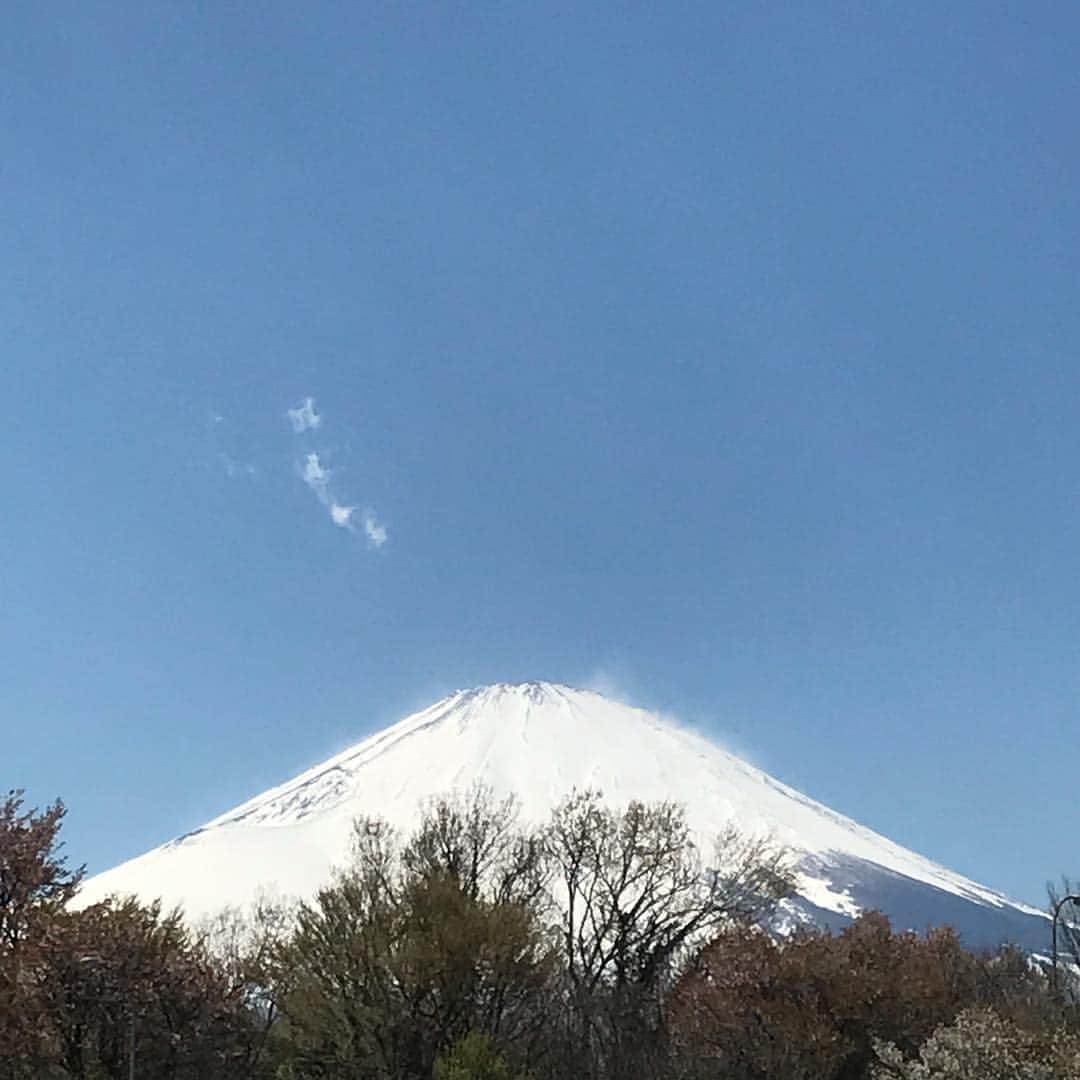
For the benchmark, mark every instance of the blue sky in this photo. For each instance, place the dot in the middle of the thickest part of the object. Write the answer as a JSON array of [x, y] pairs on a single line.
[[724, 354]]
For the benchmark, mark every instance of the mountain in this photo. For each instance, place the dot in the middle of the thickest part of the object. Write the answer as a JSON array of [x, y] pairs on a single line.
[[539, 741]]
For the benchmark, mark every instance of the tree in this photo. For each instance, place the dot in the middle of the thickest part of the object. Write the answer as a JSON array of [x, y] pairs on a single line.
[[815, 1005], [89, 994], [476, 840], [35, 881], [246, 949], [414, 948], [635, 896], [35, 884], [126, 986], [981, 1045], [474, 1057]]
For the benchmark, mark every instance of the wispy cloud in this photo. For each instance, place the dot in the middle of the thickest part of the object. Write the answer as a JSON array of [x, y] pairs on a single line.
[[304, 417], [375, 531], [237, 469], [609, 683], [318, 477], [342, 515]]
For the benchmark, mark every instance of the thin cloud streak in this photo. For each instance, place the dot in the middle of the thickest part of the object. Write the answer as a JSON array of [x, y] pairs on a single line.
[[234, 469], [317, 477]]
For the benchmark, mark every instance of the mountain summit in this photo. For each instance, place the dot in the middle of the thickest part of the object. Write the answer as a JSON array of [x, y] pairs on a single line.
[[539, 741]]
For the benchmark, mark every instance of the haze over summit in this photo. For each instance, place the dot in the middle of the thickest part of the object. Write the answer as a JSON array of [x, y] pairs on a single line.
[[730, 351]]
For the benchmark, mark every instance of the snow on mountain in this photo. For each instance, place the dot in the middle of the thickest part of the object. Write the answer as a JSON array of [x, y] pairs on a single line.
[[539, 741]]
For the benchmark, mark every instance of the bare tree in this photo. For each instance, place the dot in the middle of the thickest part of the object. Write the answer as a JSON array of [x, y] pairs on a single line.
[[476, 839], [1066, 914], [246, 949], [636, 890], [635, 895]]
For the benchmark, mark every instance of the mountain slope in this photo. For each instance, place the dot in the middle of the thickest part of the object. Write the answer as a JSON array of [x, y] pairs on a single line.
[[539, 741]]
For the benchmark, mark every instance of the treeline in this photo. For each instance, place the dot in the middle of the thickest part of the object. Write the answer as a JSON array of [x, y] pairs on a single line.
[[602, 946]]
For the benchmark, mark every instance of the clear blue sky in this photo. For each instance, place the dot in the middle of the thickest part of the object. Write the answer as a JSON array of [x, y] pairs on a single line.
[[728, 354]]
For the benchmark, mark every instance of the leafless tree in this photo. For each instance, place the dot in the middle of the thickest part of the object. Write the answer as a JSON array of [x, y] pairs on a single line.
[[635, 895]]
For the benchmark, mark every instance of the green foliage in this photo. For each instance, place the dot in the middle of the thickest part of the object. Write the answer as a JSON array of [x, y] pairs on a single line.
[[474, 1057], [415, 948], [555, 945]]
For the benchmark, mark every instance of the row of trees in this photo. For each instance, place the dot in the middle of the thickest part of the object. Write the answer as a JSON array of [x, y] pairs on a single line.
[[601, 946]]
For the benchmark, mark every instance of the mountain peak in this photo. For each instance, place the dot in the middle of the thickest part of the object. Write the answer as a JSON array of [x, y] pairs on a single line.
[[534, 691], [539, 741]]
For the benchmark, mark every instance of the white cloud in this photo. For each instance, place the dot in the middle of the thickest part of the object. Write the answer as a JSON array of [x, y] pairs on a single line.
[[304, 417], [342, 515], [376, 532], [317, 477]]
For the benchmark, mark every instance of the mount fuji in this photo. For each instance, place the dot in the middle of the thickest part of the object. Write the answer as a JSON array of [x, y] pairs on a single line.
[[539, 741]]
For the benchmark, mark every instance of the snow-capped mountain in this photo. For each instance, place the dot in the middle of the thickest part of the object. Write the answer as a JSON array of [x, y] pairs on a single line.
[[539, 741]]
